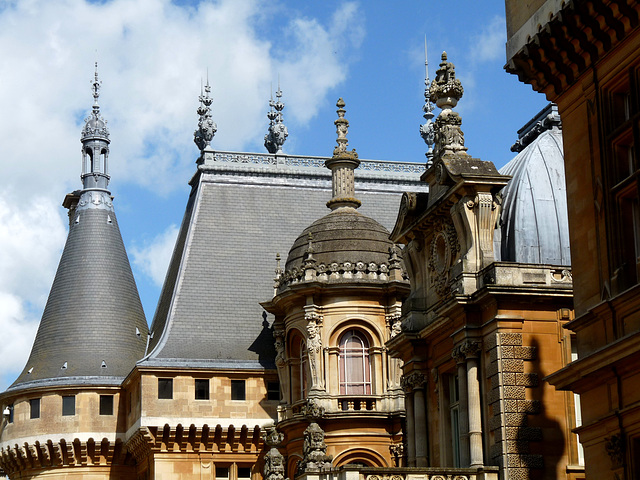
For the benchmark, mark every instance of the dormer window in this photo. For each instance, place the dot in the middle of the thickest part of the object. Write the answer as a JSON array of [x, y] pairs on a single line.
[[355, 366]]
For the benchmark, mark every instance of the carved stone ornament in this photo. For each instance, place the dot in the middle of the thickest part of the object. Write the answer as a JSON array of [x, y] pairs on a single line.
[[394, 323], [470, 349], [443, 249], [278, 336], [412, 381], [615, 448], [314, 451], [312, 410], [274, 464]]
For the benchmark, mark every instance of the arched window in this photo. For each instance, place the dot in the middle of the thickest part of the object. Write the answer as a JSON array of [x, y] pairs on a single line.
[[355, 368], [298, 367]]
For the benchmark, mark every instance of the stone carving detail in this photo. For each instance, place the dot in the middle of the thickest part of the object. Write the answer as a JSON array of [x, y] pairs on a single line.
[[397, 452], [278, 132], [413, 381], [273, 459], [312, 410], [335, 272], [615, 447], [443, 249], [445, 91], [470, 349], [314, 345], [393, 321], [206, 126], [314, 451]]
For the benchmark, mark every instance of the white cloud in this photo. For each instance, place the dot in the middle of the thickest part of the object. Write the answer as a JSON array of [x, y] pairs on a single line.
[[153, 258], [18, 331], [31, 240], [489, 45], [152, 55]]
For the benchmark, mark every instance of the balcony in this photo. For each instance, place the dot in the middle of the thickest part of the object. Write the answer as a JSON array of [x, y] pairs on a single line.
[[352, 472]]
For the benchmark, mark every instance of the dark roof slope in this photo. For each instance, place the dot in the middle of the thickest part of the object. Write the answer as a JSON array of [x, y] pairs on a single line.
[[243, 210], [88, 329]]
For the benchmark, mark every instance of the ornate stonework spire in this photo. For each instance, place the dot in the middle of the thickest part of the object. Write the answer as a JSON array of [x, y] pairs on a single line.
[[342, 165], [427, 129], [206, 126], [446, 90], [95, 143], [278, 132]]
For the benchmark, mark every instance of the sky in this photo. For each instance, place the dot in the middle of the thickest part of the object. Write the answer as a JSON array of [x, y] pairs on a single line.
[[153, 56]]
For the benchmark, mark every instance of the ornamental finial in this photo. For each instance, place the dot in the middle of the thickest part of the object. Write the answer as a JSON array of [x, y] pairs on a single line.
[[446, 90], [342, 165], [206, 126], [427, 130], [278, 132], [95, 143]]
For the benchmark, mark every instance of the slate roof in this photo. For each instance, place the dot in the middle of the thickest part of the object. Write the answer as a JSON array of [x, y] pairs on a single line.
[[242, 210], [92, 311], [534, 222]]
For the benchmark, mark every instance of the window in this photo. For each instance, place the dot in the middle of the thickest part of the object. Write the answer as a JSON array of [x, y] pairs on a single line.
[[298, 366], [202, 389], [34, 405], [355, 369], [68, 405], [621, 166], [222, 473], [165, 388], [454, 413], [244, 472], [238, 390], [106, 404], [273, 391], [10, 411]]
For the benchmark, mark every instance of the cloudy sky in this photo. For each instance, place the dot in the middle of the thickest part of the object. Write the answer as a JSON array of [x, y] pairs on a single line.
[[152, 56]]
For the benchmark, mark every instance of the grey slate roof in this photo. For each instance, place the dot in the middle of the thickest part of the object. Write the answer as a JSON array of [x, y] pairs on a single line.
[[344, 235], [92, 312], [534, 223], [243, 209]]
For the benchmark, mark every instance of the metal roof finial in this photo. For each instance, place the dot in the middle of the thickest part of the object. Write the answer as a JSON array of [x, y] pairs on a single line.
[[427, 129], [277, 133], [206, 126]]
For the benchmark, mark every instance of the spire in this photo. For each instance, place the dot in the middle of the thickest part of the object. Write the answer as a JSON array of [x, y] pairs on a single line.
[[342, 166], [206, 126], [427, 129], [278, 132], [93, 327], [95, 144], [446, 90]]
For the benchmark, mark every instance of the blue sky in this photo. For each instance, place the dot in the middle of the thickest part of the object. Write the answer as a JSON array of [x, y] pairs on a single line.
[[152, 55]]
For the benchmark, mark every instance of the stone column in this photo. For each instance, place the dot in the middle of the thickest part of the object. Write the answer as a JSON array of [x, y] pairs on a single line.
[[420, 416], [410, 423], [471, 351], [463, 418]]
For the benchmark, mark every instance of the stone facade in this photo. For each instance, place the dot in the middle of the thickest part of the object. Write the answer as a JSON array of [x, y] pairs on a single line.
[[584, 57]]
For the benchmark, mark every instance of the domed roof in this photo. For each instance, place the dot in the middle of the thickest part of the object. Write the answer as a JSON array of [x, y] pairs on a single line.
[[534, 223], [344, 235]]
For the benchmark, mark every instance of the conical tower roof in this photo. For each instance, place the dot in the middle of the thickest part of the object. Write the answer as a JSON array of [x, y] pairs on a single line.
[[93, 329]]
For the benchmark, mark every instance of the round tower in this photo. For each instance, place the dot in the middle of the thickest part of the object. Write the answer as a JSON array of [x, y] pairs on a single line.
[[337, 301], [92, 332]]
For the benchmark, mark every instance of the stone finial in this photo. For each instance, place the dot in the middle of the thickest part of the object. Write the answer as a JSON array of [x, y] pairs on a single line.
[[427, 129], [314, 450], [342, 165], [446, 90], [206, 126], [273, 460], [278, 132]]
